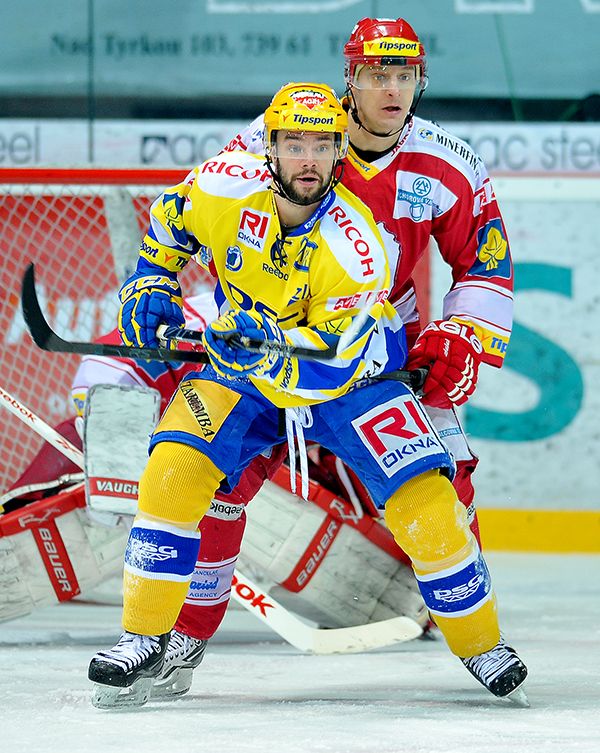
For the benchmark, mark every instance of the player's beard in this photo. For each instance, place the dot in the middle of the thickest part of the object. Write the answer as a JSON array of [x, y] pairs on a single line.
[[303, 195]]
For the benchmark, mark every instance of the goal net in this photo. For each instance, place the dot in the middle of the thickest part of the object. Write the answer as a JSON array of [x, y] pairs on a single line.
[[81, 228]]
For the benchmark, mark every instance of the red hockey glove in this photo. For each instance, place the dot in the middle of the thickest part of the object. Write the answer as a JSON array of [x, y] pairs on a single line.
[[453, 353]]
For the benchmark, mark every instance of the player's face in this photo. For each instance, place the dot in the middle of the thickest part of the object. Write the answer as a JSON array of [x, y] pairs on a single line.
[[304, 163], [383, 95]]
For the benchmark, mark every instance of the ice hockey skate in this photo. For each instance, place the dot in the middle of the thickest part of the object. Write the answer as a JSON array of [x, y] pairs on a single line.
[[501, 671], [123, 675], [182, 656]]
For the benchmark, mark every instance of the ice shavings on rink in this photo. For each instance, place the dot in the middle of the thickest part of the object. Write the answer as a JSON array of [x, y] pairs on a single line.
[[255, 694]]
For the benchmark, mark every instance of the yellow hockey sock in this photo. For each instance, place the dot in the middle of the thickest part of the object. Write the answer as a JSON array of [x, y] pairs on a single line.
[[430, 524], [176, 490]]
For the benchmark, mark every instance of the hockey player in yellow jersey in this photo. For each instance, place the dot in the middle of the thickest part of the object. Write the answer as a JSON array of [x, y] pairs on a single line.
[[299, 265]]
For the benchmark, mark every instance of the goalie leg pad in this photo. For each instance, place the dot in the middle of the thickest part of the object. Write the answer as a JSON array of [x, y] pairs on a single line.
[[316, 558], [51, 550]]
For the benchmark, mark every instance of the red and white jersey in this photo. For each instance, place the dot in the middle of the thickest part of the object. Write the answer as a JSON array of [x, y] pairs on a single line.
[[434, 185], [198, 310]]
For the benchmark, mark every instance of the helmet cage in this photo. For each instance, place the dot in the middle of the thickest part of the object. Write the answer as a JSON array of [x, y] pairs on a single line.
[[384, 42], [306, 108], [312, 108]]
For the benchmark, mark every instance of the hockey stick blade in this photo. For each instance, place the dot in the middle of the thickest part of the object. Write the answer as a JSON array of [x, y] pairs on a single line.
[[46, 339], [320, 640]]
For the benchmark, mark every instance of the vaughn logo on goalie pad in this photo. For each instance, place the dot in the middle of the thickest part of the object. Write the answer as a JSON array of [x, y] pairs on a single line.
[[110, 487]]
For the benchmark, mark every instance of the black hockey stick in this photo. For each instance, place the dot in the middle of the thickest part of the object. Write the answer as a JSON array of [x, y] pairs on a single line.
[[46, 339], [414, 378]]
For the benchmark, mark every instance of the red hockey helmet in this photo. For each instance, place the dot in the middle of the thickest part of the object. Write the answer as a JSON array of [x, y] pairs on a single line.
[[384, 41]]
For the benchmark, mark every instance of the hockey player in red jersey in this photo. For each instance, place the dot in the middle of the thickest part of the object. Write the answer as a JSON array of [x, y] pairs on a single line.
[[422, 183]]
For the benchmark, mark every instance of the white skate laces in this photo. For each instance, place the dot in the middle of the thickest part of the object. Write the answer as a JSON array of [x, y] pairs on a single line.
[[131, 651], [500, 670], [123, 675]]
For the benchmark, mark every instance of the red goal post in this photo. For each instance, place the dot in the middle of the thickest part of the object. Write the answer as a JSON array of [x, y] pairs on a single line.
[[81, 227]]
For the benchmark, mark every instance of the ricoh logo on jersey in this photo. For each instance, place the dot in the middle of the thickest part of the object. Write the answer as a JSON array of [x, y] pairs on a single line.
[[353, 234], [397, 434], [214, 167], [253, 229]]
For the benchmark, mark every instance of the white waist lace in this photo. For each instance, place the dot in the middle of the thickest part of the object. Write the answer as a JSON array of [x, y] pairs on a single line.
[[296, 420]]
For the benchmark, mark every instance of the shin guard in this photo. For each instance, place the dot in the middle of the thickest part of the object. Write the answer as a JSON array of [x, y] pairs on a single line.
[[430, 524], [176, 489]]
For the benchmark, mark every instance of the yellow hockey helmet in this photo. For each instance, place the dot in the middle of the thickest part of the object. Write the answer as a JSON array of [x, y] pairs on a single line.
[[307, 107]]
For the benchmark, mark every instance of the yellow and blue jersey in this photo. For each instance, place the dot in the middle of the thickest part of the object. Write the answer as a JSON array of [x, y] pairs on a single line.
[[312, 280]]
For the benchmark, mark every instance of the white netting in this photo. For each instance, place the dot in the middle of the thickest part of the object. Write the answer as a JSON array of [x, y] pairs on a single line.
[[82, 230]]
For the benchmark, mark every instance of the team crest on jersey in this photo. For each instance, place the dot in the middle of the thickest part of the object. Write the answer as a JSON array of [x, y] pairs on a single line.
[[420, 198], [279, 256], [234, 259], [493, 259], [397, 434], [205, 255], [254, 228], [172, 205], [302, 261]]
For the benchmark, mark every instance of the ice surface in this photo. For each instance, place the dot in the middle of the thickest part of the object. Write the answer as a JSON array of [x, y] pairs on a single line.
[[254, 693]]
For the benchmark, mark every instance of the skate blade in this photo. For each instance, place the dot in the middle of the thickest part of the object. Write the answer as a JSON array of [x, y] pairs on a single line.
[[111, 697], [177, 684], [518, 697]]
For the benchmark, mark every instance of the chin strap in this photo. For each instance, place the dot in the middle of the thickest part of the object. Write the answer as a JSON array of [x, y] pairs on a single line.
[[336, 176]]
